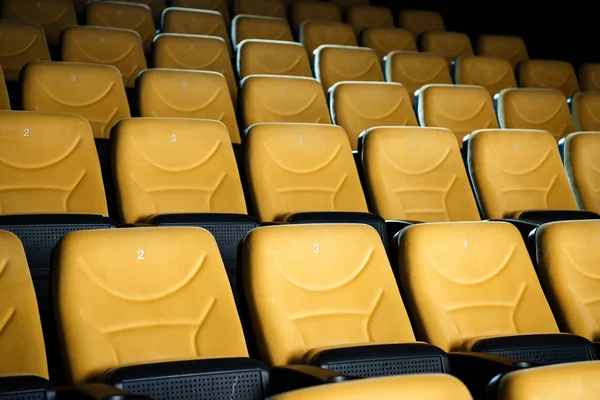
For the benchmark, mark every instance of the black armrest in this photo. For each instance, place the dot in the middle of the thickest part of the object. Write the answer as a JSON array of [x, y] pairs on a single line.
[[395, 226], [97, 391], [543, 216], [26, 386], [194, 219], [291, 377], [525, 227], [134, 225]]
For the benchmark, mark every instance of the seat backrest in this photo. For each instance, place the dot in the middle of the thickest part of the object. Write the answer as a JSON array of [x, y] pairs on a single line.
[[301, 168], [450, 45], [267, 98], [585, 108], [187, 94], [333, 64], [255, 27], [121, 48], [494, 74], [416, 174], [22, 350], [358, 106], [170, 166], [21, 42], [94, 91], [195, 52], [304, 282], [545, 109], [460, 108], [313, 34], [4, 100], [589, 77], [262, 8], [211, 5], [549, 75], [418, 21], [49, 165], [414, 70], [363, 17], [124, 15], [271, 57], [51, 15], [310, 10], [385, 40], [510, 48], [195, 22], [580, 151], [516, 170], [466, 281]]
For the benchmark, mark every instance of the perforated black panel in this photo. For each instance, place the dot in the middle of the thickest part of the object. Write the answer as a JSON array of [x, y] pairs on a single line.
[[549, 355], [37, 395], [368, 369]]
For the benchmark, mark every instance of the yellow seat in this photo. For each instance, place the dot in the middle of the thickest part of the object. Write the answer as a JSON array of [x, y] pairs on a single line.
[[211, 5], [585, 107], [418, 21], [20, 43], [335, 64], [51, 15], [580, 151], [313, 34], [195, 52], [270, 57], [187, 94], [358, 106], [301, 168], [385, 40], [415, 70], [510, 48], [267, 98], [116, 14], [491, 73], [589, 77], [195, 22], [549, 75], [517, 170], [544, 109], [450, 45], [310, 10], [460, 108], [416, 174], [93, 91], [254, 27], [4, 100], [263, 8], [121, 48], [156, 6], [363, 17]]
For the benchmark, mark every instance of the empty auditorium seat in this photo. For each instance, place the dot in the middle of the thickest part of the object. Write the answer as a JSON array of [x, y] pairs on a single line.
[[156, 6], [589, 77], [121, 48], [333, 64], [195, 22], [414, 70], [310, 10], [212, 5], [491, 73], [363, 17], [419, 21], [4, 100], [263, 8], [254, 27], [511, 48], [358, 106], [385, 40], [187, 94], [544, 109], [272, 57], [51, 15], [21, 42], [124, 15], [585, 108], [416, 174], [267, 98], [195, 52], [460, 108], [450, 45], [313, 34], [550, 75], [579, 154]]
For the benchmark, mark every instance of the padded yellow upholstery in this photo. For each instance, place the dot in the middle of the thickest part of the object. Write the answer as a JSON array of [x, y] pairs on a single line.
[[363, 17], [121, 48], [51, 15], [553, 382], [4, 100], [263, 8], [48, 165], [93, 91], [385, 40], [313, 34], [470, 280], [589, 77], [460, 108], [320, 285], [169, 286], [585, 107], [301, 167], [580, 159], [267, 98], [545, 109], [254, 27], [157, 6], [450, 45], [310, 10], [414, 70], [20, 43], [492, 73], [510, 48], [422, 386], [212, 5], [517, 170], [358, 106], [169, 166], [270, 57], [550, 75], [117, 14], [418, 21], [195, 52], [187, 94], [335, 64], [22, 349], [417, 174]]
